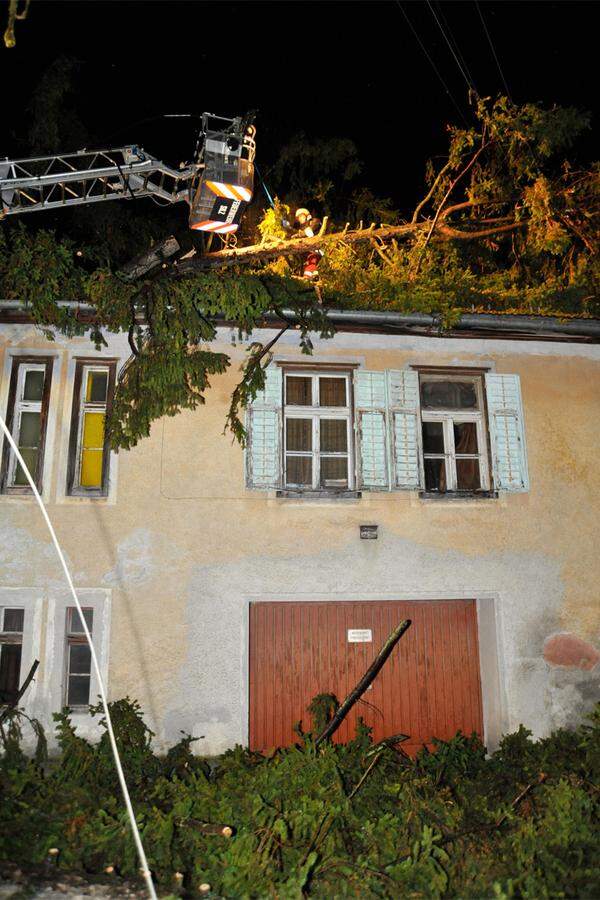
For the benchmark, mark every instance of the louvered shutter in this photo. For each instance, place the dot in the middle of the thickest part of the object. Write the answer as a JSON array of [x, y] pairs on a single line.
[[405, 429], [263, 453], [370, 424], [507, 433]]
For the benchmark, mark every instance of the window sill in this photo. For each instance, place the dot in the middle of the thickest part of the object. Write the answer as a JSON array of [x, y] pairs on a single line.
[[458, 495], [86, 495], [288, 494]]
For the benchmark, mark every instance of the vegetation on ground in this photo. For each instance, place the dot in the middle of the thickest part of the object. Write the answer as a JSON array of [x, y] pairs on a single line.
[[355, 820]]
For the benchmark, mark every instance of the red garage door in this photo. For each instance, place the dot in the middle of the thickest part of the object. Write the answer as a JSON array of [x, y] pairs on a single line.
[[429, 687]]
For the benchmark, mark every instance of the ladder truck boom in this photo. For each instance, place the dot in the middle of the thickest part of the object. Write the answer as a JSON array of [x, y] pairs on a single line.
[[217, 185]]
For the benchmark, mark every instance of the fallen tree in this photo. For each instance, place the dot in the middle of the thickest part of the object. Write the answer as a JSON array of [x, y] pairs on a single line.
[[508, 223]]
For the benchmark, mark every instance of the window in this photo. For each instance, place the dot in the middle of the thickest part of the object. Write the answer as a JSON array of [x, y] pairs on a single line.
[[27, 415], [78, 658], [317, 425], [11, 648], [88, 449], [455, 450]]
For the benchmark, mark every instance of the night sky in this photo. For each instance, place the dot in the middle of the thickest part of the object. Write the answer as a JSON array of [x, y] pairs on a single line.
[[351, 69]]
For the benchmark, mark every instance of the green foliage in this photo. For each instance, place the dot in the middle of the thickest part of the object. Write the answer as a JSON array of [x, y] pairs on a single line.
[[507, 225], [271, 226], [452, 823]]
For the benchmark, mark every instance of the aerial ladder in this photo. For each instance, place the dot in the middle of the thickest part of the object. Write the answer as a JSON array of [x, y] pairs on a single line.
[[217, 185]]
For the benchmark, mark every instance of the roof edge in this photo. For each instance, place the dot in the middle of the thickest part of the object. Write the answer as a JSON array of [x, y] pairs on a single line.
[[510, 326]]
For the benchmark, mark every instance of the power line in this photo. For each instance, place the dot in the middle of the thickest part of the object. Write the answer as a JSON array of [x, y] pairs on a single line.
[[469, 82], [487, 34], [433, 65], [455, 43]]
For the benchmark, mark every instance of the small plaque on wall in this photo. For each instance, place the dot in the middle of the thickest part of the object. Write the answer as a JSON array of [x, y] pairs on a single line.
[[360, 636]]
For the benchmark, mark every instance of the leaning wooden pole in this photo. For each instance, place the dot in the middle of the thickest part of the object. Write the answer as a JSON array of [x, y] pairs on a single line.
[[369, 676]]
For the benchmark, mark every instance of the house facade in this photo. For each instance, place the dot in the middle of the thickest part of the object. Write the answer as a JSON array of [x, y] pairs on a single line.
[[393, 474]]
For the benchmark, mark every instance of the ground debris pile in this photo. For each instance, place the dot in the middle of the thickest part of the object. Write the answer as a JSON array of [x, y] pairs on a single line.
[[354, 820]]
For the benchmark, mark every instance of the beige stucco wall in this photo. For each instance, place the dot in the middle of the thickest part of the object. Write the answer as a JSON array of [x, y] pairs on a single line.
[[182, 547]]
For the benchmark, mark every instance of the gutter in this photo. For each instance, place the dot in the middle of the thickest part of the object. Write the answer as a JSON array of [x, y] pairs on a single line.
[[469, 324]]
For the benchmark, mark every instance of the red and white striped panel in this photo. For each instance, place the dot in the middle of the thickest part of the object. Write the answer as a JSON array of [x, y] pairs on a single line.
[[215, 227], [231, 191]]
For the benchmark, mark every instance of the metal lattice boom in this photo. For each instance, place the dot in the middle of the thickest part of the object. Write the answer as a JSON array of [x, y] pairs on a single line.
[[73, 179]]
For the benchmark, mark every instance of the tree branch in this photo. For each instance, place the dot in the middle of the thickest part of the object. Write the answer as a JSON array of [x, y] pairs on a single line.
[[364, 682], [12, 704], [431, 191], [449, 232], [460, 175]]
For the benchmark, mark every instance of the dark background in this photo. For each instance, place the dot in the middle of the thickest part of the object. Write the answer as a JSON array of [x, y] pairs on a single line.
[[351, 69]]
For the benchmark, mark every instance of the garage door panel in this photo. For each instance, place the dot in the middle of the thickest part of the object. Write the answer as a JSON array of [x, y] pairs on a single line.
[[429, 687]]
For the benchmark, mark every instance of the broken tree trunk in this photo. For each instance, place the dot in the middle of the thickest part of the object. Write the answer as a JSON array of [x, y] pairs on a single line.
[[260, 253], [150, 259], [364, 682]]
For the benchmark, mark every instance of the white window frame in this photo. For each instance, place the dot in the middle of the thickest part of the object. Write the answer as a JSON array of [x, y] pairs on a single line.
[[94, 407], [448, 417], [98, 599], [76, 638], [20, 407], [315, 412]]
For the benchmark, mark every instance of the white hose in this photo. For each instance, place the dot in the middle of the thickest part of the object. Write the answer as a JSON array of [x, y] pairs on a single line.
[[134, 828]]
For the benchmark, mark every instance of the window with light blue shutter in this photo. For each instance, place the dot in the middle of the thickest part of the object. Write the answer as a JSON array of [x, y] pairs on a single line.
[[370, 402], [507, 432], [263, 452], [404, 420]]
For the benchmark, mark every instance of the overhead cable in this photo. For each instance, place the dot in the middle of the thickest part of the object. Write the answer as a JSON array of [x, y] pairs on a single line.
[[433, 65], [456, 45], [493, 49], [145, 871], [468, 80]]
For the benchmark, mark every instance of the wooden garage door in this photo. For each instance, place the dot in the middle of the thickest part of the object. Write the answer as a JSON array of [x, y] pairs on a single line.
[[429, 687]]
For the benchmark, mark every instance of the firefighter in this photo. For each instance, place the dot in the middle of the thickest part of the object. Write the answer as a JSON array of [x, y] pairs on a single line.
[[306, 225]]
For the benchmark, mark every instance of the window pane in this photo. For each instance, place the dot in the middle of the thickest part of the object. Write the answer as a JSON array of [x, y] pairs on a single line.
[[465, 437], [298, 391], [80, 659], [433, 437], [435, 474], [13, 620], [74, 625], [10, 671], [33, 386], [334, 435], [97, 384], [298, 434], [467, 475], [93, 429], [31, 458], [91, 468], [78, 692], [448, 395], [334, 472], [29, 430], [332, 392], [299, 470]]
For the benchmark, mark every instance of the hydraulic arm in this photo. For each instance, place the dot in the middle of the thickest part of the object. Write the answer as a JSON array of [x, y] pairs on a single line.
[[73, 179], [218, 185]]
